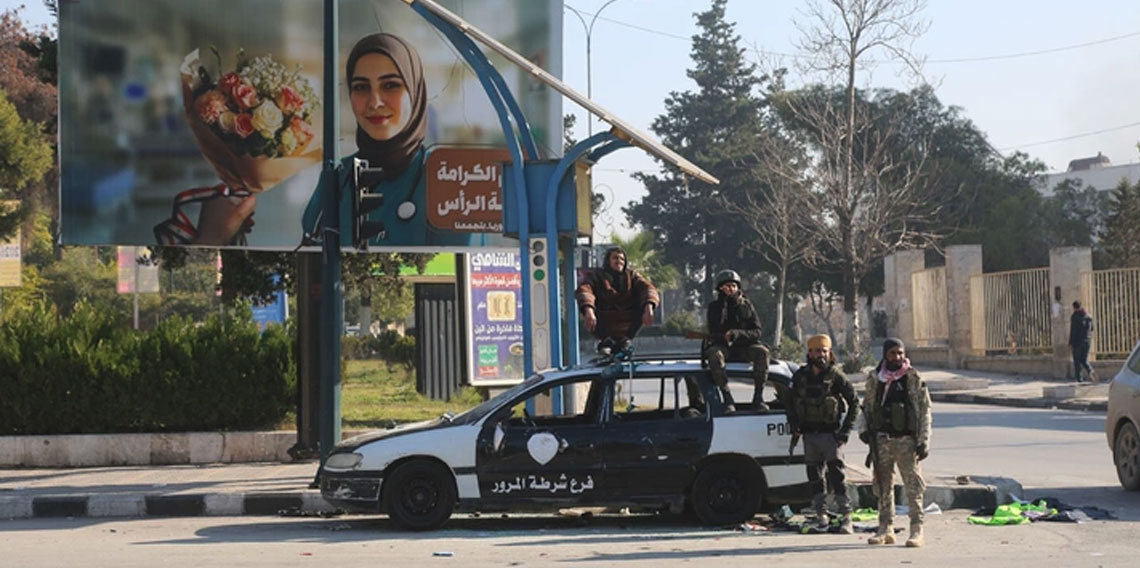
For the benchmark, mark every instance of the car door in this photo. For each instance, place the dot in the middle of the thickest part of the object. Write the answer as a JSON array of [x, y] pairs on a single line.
[[544, 457], [654, 433]]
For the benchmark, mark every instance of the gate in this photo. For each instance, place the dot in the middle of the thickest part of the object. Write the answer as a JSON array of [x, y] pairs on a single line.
[[1112, 297], [1010, 311]]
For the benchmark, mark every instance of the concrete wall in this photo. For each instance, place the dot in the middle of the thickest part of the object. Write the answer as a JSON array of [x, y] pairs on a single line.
[[930, 356], [1065, 267], [963, 262], [898, 268]]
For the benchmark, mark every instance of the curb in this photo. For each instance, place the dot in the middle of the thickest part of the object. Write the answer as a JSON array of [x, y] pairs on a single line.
[[982, 492], [188, 505], [1038, 402]]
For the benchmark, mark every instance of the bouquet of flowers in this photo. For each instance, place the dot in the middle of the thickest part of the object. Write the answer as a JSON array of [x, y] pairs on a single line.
[[254, 124]]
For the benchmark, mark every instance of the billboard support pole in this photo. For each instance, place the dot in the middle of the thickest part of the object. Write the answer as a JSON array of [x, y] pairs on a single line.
[[331, 306]]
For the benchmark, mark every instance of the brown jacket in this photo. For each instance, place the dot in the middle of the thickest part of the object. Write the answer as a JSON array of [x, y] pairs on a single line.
[[617, 307]]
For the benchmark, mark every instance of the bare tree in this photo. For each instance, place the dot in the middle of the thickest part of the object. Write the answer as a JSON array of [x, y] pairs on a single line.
[[869, 196], [784, 235]]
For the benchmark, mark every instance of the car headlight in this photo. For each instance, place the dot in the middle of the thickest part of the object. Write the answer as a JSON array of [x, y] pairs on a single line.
[[343, 461]]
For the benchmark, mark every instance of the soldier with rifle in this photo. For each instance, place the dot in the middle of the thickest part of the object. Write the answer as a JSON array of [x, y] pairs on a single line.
[[896, 426], [734, 335]]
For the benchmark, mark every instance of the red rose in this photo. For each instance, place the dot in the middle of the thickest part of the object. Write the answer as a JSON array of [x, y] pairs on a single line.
[[288, 100], [243, 124], [245, 96], [228, 82]]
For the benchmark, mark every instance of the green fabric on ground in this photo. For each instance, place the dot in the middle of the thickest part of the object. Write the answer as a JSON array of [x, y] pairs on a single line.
[[1012, 514], [861, 515]]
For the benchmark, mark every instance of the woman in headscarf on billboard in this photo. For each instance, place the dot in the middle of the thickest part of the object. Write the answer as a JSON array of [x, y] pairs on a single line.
[[389, 100], [388, 96]]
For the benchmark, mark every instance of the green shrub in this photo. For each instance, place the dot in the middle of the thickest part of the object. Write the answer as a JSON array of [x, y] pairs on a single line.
[[391, 346], [86, 373], [680, 322], [789, 350]]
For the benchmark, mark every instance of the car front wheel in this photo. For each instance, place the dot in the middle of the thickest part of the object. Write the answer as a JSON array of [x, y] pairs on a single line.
[[1126, 454], [420, 495], [725, 493]]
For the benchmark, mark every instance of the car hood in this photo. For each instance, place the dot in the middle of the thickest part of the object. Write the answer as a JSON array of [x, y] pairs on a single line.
[[410, 428]]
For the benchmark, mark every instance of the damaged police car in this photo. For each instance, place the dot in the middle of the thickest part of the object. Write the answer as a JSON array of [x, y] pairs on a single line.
[[649, 435]]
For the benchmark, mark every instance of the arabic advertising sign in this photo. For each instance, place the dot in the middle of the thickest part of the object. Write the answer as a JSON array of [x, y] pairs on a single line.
[[463, 189], [494, 306], [199, 123], [276, 311], [10, 258]]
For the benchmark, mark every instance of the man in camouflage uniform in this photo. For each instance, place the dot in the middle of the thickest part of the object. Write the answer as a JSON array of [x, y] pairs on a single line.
[[822, 406], [896, 424], [734, 335]]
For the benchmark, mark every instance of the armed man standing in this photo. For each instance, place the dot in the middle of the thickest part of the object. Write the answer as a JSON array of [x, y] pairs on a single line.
[[896, 425], [734, 335], [822, 406]]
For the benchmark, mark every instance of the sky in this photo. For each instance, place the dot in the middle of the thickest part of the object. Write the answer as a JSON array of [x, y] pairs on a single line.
[[1056, 79]]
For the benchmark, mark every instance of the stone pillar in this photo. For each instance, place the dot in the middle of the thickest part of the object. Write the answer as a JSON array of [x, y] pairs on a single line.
[[898, 293], [1065, 267], [962, 263]]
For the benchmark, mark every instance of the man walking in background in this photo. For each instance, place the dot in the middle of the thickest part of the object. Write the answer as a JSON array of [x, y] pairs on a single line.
[[1080, 342]]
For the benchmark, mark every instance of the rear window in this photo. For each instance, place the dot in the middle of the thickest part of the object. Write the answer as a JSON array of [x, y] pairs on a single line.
[[1134, 361]]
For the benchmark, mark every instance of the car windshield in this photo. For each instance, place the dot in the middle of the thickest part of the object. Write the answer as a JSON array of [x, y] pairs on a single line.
[[476, 414]]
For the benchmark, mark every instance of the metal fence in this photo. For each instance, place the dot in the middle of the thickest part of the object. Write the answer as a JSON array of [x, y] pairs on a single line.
[[1112, 297], [931, 316], [1010, 311]]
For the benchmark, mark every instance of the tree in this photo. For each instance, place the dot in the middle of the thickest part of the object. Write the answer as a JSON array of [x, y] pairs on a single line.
[[24, 157], [1120, 239], [642, 255], [717, 127], [867, 193]]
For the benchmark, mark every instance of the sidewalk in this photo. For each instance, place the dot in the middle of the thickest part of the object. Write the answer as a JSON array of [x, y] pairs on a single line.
[[273, 488]]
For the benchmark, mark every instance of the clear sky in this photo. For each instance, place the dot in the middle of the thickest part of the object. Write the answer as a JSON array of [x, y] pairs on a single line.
[[1089, 95]]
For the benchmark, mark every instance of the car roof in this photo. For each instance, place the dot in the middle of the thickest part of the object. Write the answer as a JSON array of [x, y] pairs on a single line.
[[671, 364]]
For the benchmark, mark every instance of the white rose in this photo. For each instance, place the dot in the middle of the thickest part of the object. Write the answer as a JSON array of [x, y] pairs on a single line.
[[267, 119], [226, 121]]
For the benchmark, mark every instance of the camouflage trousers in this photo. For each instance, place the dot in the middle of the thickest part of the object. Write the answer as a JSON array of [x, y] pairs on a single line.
[[898, 452], [718, 355]]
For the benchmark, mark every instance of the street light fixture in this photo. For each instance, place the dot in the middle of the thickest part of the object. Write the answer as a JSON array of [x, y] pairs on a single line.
[[589, 28]]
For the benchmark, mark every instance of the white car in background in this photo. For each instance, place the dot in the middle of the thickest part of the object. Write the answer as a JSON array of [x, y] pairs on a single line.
[[1123, 423]]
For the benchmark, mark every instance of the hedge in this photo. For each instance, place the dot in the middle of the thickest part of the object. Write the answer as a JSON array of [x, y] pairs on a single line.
[[88, 374]]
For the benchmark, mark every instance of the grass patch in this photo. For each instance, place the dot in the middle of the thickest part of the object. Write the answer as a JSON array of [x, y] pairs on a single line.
[[374, 394]]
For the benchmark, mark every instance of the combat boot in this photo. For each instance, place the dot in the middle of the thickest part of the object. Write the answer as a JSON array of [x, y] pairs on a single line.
[[885, 535], [758, 404], [845, 526], [729, 402], [915, 540]]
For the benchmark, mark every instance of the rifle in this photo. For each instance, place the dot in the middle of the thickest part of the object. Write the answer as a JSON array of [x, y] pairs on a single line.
[[693, 334], [873, 453], [795, 440]]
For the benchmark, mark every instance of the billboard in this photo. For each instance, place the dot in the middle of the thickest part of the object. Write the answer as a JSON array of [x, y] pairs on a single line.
[[494, 313], [199, 123]]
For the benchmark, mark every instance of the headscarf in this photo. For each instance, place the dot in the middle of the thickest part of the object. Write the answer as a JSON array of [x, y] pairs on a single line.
[[887, 376], [396, 153]]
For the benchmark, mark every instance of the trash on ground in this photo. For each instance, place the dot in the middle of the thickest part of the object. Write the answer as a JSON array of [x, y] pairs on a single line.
[[443, 553]]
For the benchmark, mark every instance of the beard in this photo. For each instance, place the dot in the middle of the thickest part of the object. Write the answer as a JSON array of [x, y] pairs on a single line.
[[894, 365], [818, 362]]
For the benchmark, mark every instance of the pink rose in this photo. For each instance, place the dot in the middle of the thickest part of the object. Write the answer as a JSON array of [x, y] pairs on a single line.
[[288, 100], [228, 82], [209, 106], [245, 96], [302, 131], [243, 124]]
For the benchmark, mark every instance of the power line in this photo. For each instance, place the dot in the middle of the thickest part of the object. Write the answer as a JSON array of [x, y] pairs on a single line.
[[1073, 137], [979, 58]]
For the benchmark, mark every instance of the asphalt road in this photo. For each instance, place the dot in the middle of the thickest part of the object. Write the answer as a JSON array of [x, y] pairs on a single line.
[[1057, 453]]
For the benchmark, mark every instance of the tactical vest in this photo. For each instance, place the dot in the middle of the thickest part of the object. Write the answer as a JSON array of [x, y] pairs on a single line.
[[894, 417], [816, 404]]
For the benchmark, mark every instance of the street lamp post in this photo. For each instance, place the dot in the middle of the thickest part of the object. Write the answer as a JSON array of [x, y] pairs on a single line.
[[589, 28]]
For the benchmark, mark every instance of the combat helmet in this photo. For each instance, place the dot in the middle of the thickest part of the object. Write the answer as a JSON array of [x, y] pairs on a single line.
[[726, 276]]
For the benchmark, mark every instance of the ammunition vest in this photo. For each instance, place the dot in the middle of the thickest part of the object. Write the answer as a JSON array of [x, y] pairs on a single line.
[[894, 416], [817, 404]]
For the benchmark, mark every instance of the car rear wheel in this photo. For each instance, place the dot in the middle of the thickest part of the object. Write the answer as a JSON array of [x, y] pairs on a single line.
[[419, 495], [725, 493], [1126, 454]]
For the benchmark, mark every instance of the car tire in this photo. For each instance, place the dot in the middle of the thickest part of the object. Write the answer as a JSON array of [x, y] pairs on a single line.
[[1126, 455], [725, 493], [419, 495]]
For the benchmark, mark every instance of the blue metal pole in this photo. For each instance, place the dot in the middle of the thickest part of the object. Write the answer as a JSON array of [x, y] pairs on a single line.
[[331, 307], [516, 174]]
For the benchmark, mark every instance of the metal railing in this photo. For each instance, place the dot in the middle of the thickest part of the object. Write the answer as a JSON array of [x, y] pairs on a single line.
[[1013, 314], [1112, 297], [928, 305]]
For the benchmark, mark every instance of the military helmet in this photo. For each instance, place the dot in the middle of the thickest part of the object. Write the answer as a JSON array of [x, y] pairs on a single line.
[[726, 276]]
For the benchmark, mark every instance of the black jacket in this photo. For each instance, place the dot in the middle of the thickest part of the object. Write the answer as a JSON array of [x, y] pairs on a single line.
[[738, 316], [1080, 328]]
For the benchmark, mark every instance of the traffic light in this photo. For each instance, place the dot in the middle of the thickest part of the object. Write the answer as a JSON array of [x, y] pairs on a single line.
[[538, 263], [364, 201]]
